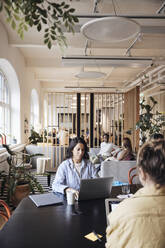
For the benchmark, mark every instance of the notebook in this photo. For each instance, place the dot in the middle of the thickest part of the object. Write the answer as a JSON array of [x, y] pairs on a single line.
[[45, 199], [95, 188]]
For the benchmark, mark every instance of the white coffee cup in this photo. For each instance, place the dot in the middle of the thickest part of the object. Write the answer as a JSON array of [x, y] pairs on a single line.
[[70, 196]]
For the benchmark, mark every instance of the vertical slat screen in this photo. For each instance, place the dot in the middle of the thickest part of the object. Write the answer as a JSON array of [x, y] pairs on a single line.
[[108, 116], [60, 114]]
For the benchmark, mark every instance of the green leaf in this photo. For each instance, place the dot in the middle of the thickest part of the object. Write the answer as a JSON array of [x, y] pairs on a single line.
[[53, 37], [36, 22], [43, 12], [39, 27], [46, 40], [75, 19], [31, 23], [8, 19], [21, 35], [71, 10], [49, 44], [16, 17], [66, 6], [49, 8], [13, 24], [25, 27], [46, 35], [44, 20]]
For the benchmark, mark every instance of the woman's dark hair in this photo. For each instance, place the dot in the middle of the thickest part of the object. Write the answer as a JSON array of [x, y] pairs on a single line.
[[127, 144], [156, 136], [151, 158], [73, 143]]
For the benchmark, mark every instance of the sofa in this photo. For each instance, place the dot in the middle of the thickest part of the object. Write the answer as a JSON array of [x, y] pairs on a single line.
[[117, 169]]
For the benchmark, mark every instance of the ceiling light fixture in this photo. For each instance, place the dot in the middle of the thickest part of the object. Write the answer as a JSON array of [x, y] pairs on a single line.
[[111, 29], [107, 61], [89, 74]]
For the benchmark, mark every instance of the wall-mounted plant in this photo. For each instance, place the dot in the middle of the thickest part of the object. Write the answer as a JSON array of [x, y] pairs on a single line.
[[49, 15]]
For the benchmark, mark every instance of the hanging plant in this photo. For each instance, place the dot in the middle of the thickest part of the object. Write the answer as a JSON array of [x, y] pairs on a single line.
[[41, 14]]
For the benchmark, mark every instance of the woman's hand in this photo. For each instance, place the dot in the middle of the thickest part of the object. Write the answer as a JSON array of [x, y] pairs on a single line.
[[76, 193]]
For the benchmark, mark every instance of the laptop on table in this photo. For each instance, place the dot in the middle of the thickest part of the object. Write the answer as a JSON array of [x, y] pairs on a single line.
[[95, 188]]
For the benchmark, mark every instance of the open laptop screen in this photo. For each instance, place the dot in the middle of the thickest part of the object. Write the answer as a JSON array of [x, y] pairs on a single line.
[[95, 188]]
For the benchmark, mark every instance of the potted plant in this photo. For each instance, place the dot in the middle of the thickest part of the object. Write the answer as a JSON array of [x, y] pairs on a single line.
[[35, 137], [149, 122], [18, 181]]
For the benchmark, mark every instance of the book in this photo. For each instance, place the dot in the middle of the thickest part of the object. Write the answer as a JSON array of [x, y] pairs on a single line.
[[45, 199]]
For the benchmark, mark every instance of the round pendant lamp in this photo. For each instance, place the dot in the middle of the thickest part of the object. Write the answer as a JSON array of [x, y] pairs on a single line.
[[110, 29]]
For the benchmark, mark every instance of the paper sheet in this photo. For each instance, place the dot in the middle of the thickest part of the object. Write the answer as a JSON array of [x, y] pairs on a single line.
[[91, 236]]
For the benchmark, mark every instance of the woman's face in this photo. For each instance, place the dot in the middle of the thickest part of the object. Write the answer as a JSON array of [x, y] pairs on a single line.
[[78, 152]]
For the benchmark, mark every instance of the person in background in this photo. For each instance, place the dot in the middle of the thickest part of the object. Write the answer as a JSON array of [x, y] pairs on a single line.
[[127, 153], [54, 136], [139, 221], [75, 167], [106, 147]]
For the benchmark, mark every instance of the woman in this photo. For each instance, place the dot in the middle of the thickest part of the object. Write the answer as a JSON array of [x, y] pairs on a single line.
[[139, 221], [74, 168], [127, 153]]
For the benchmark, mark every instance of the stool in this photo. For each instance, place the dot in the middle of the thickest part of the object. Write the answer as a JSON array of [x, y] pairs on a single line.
[[43, 163]]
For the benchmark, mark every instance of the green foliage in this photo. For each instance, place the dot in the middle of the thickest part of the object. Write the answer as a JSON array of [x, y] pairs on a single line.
[[41, 14], [18, 173], [149, 122], [36, 137]]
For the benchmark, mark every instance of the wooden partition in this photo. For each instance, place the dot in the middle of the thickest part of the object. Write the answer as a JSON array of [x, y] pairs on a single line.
[[131, 116], [90, 115]]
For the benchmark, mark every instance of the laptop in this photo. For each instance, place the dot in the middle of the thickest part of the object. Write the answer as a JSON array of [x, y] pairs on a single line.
[[47, 199], [95, 188]]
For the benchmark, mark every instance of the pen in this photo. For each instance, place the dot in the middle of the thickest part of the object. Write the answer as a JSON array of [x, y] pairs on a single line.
[[97, 236]]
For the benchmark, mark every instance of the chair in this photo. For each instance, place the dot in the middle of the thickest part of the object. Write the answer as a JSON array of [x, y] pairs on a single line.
[[117, 169], [4, 214], [131, 176]]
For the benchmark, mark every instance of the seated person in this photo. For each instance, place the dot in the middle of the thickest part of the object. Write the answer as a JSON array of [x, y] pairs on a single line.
[[106, 147], [105, 151], [74, 168], [139, 221], [127, 153]]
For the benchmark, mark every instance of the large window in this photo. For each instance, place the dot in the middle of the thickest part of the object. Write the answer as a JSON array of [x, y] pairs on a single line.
[[5, 108], [34, 109]]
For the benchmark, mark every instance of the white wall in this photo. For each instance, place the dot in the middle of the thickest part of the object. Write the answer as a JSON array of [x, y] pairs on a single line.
[[26, 79]]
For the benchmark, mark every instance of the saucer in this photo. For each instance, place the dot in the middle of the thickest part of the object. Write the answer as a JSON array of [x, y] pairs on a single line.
[[124, 196]]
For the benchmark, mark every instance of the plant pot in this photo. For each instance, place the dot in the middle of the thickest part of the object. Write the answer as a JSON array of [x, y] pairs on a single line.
[[21, 192]]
